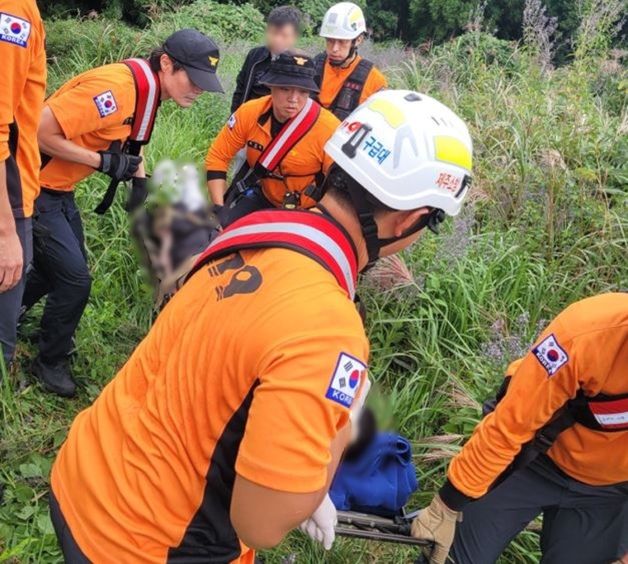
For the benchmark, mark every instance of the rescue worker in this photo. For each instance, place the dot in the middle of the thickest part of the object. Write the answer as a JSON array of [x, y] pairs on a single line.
[[82, 128], [283, 27], [556, 444], [345, 79], [22, 91], [222, 433], [284, 135]]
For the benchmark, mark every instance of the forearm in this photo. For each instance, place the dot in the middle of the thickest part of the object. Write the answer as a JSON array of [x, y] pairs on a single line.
[[62, 148], [217, 188], [7, 223]]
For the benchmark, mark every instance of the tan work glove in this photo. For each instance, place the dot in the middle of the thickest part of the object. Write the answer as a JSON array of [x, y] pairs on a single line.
[[436, 523]]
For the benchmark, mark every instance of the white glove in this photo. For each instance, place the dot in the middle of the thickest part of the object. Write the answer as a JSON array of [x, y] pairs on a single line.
[[357, 406], [320, 526]]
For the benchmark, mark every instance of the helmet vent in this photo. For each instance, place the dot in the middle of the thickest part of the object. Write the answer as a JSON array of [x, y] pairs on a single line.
[[412, 97]]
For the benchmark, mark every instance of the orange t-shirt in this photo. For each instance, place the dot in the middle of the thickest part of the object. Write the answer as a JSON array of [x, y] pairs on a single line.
[[335, 77], [22, 91], [250, 127], [585, 347], [93, 109], [215, 389]]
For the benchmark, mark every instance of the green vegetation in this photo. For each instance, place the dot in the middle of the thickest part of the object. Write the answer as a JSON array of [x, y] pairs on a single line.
[[546, 225]]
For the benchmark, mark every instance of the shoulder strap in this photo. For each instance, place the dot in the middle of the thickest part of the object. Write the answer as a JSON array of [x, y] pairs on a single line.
[[348, 98], [290, 134], [147, 101], [319, 68], [311, 234]]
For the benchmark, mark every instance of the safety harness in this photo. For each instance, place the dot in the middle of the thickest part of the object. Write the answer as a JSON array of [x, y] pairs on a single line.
[[315, 235], [348, 98], [147, 101], [603, 412], [271, 157]]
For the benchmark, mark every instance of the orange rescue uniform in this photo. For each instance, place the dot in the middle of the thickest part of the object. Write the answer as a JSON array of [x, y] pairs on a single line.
[[250, 127], [22, 92], [335, 77], [93, 109], [146, 472], [593, 336]]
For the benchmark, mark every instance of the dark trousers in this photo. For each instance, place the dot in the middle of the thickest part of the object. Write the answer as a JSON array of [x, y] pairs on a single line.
[[72, 554], [59, 271], [251, 201], [582, 524], [11, 301]]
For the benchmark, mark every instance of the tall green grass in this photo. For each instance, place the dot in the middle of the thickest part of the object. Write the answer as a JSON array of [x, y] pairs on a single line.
[[546, 225]]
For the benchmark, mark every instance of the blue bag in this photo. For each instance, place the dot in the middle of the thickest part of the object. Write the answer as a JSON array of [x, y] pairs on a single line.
[[379, 481]]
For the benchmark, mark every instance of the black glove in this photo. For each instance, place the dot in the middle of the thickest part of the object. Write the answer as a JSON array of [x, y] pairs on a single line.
[[137, 195], [119, 166]]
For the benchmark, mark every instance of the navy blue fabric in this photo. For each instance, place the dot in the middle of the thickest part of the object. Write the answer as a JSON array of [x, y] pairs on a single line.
[[59, 272], [11, 301], [380, 481]]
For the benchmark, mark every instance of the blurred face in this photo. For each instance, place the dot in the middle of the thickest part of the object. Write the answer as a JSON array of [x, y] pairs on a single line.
[[176, 84], [288, 101], [338, 49], [280, 38]]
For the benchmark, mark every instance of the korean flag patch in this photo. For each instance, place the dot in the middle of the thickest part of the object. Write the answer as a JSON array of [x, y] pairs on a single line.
[[345, 381], [231, 122], [14, 30], [106, 104], [550, 354]]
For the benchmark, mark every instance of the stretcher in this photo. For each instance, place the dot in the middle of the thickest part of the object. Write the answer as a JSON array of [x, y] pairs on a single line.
[[382, 529]]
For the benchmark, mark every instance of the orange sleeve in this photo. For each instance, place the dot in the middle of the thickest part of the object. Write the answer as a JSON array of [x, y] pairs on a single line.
[[231, 138], [565, 356], [298, 408], [375, 82], [16, 59], [539, 387], [81, 109], [332, 123]]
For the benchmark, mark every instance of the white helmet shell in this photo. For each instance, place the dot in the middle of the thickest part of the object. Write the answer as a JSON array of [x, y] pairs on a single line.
[[407, 150], [344, 20]]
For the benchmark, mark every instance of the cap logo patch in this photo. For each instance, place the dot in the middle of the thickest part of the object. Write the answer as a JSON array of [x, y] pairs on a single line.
[[106, 104], [213, 61], [550, 354], [14, 30], [300, 61], [345, 381]]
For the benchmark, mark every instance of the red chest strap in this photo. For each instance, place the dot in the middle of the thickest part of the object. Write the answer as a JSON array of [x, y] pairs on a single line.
[[308, 233], [291, 133], [147, 100]]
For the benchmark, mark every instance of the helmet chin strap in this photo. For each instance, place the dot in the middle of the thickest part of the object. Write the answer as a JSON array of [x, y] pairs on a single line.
[[366, 216], [352, 52]]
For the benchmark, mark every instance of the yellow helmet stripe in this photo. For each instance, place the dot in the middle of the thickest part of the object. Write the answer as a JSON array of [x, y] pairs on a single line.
[[451, 150]]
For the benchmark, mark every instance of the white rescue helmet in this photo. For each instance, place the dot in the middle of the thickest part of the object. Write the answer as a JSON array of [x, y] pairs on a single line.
[[344, 20], [406, 150]]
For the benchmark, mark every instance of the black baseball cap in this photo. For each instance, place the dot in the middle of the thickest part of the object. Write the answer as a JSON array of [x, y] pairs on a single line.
[[198, 55], [293, 69]]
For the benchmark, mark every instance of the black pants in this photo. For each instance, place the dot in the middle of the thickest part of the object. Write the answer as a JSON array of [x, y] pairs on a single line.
[[11, 301], [59, 271], [582, 524], [251, 201], [72, 554]]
